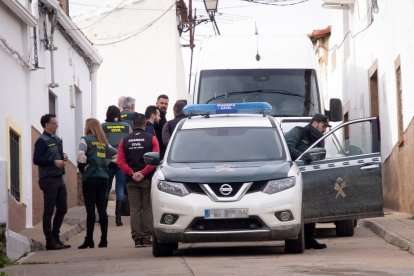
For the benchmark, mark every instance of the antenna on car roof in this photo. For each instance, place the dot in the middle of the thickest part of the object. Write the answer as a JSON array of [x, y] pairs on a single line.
[[256, 32]]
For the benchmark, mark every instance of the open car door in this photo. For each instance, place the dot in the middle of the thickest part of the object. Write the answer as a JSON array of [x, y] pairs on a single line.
[[346, 184]]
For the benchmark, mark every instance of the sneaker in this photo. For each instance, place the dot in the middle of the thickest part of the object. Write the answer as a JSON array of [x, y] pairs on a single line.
[[314, 244], [138, 243], [147, 241]]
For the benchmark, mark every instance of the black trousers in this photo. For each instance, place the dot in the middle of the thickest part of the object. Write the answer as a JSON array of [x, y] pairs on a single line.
[[310, 232], [94, 194], [54, 195]]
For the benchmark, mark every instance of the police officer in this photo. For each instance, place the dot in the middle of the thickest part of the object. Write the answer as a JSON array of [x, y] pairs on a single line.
[[115, 130], [298, 140], [131, 152], [94, 151], [50, 159], [128, 110]]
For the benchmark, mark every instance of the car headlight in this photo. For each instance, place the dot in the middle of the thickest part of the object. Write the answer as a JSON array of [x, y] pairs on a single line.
[[275, 186], [173, 188]]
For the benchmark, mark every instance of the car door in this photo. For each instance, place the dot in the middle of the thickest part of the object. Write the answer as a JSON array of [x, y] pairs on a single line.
[[346, 184]]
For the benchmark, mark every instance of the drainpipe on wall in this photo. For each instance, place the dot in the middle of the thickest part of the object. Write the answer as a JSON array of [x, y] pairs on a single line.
[[94, 89], [52, 48]]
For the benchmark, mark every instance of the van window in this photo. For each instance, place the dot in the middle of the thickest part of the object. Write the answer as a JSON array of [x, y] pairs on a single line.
[[226, 145], [291, 92]]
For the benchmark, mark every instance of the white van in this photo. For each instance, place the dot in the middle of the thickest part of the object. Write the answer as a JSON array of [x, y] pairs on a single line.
[[279, 69]]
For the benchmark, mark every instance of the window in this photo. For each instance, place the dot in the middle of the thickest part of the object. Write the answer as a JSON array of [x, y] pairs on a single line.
[[242, 144], [14, 165], [355, 138], [291, 92]]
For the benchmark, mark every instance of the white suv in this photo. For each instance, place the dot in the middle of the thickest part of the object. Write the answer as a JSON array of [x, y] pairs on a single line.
[[226, 177]]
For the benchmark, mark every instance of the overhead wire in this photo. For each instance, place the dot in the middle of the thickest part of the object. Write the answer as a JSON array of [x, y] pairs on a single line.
[[137, 31], [370, 15]]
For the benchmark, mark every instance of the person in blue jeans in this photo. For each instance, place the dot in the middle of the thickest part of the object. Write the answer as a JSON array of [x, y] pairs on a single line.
[[115, 130]]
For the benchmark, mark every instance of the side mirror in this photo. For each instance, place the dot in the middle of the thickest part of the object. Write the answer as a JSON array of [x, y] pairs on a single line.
[[335, 110], [152, 158], [314, 154]]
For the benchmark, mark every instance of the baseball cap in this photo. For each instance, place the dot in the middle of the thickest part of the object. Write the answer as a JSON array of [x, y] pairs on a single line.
[[321, 118]]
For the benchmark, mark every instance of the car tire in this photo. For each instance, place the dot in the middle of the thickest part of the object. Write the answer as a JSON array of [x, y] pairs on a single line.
[[297, 245], [163, 249], [345, 228]]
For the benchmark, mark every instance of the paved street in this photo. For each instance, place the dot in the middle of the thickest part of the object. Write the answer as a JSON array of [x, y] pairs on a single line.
[[363, 254]]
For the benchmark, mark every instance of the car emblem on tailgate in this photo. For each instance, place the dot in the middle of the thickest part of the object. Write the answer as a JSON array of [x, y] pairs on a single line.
[[225, 189]]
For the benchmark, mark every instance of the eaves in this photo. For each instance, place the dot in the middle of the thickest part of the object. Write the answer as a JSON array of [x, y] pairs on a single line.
[[21, 12], [75, 33]]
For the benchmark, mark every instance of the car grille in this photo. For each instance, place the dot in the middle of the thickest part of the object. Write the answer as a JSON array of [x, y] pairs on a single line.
[[201, 224], [257, 186]]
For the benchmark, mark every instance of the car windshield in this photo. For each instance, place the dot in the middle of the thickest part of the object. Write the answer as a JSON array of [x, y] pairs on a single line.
[[291, 92], [238, 144]]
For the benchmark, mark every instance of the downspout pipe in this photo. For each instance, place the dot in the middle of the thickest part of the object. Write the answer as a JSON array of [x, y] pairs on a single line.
[[52, 48], [94, 90]]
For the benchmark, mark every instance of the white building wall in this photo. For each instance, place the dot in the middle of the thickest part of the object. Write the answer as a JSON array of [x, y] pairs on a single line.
[[140, 45], [15, 98], [25, 93], [389, 35]]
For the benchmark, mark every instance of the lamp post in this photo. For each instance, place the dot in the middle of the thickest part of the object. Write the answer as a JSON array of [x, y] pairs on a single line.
[[211, 8]]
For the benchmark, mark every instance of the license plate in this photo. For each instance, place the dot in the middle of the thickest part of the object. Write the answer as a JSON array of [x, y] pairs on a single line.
[[226, 213]]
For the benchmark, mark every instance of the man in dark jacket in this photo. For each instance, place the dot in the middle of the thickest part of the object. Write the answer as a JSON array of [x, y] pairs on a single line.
[[130, 158], [169, 127], [152, 114], [50, 159], [298, 140], [162, 104]]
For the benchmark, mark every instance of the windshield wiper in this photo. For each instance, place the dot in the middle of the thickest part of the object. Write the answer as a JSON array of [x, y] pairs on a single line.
[[267, 91]]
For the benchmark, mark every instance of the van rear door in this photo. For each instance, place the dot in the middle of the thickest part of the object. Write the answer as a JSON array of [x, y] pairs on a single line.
[[346, 184]]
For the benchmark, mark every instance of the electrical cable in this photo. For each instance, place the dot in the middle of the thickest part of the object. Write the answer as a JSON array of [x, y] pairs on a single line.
[[138, 31]]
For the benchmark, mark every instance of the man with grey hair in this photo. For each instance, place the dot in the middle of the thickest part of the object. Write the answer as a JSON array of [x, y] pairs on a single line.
[[128, 110], [121, 103]]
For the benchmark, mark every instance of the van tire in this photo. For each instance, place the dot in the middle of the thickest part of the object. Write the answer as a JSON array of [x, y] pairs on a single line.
[[345, 228], [297, 245], [163, 249]]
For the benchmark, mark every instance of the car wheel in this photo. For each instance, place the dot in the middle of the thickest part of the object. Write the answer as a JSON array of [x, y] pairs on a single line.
[[163, 249], [345, 228], [296, 246]]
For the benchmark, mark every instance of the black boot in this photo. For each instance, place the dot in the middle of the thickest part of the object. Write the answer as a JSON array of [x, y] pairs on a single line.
[[118, 208], [103, 242], [310, 241], [87, 243], [52, 245]]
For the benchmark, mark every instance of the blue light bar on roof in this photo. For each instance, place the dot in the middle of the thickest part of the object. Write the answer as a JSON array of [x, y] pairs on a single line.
[[227, 108]]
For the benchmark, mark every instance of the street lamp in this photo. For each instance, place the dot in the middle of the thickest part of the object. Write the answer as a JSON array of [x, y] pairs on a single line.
[[211, 6]]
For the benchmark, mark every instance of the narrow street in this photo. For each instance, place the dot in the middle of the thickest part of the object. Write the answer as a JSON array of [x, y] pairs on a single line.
[[363, 254]]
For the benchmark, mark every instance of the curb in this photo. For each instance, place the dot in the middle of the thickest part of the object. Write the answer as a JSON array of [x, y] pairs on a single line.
[[78, 226], [389, 236]]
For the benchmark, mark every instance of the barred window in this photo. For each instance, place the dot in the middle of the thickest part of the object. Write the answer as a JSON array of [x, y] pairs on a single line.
[[15, 165]]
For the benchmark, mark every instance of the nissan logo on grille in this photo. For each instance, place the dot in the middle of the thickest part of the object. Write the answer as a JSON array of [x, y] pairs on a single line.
[[225, 189]]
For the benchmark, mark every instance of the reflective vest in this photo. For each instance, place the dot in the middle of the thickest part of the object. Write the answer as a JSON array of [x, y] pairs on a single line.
[[115, 132], [95, 159], [128, 117], [53, 152]]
